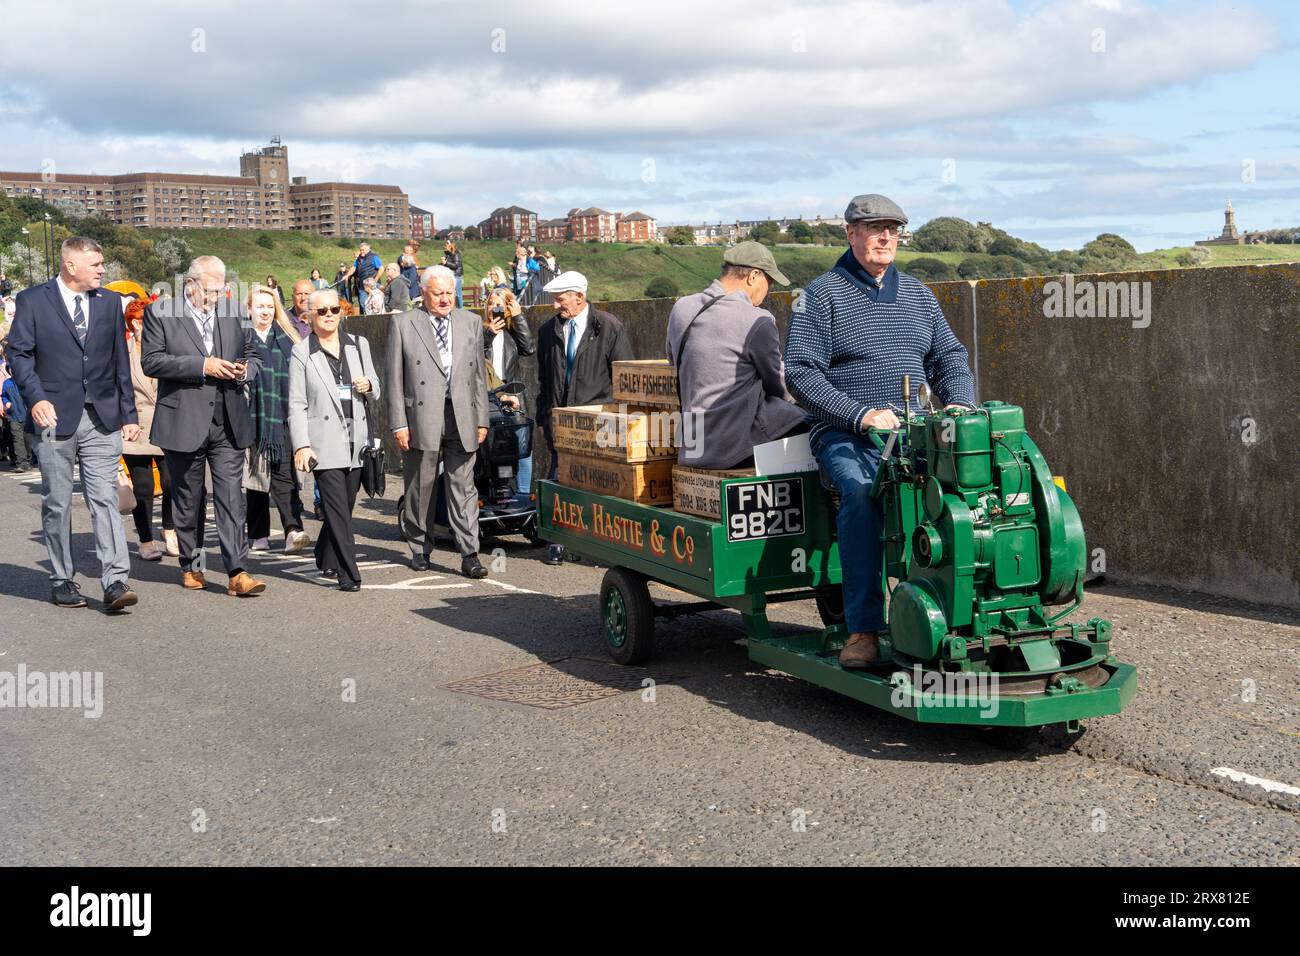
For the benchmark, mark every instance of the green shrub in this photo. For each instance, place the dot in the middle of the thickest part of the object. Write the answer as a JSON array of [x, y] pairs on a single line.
[[661, 287]]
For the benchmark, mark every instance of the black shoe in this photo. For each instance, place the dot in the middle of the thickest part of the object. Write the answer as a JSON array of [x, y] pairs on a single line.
[[329, 573], [67, 594], [554, 554], [350, 586], [471, 568], [420, 563], [118, 597]]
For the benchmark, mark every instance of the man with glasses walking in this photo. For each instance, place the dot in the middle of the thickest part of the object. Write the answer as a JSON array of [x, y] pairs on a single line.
[[196, 348]]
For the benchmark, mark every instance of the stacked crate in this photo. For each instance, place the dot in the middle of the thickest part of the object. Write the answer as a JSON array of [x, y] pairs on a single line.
[[626, 448]]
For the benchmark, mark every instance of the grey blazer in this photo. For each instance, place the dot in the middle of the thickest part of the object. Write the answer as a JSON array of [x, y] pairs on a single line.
[[315, 412], [418, 384]]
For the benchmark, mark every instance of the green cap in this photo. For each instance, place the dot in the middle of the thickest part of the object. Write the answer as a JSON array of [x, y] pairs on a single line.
[[754, 255]]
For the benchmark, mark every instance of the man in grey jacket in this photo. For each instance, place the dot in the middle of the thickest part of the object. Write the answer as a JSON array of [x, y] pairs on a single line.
[[437, 409], [728, 357]]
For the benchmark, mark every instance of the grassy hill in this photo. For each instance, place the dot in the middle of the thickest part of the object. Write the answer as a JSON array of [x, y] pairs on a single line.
[[616, 271]]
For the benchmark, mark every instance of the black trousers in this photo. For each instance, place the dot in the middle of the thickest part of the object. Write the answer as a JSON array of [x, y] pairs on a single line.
[[140, 468], [13, 442], [287, 502], [336, 549], [218, 456]]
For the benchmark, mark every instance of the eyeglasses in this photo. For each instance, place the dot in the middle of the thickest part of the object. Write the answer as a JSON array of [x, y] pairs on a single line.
[[880, 228], [335, 310]]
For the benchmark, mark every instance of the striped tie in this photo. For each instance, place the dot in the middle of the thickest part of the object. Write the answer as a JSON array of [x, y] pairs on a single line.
[[79, 320], [440, 329]]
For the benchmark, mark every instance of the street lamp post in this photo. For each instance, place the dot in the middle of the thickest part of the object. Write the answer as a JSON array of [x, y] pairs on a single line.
[[49, 248], [28, 236]]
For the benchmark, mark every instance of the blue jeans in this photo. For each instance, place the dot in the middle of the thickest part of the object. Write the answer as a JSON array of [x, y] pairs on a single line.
[[851, 462], [460, 301], [524, 476]]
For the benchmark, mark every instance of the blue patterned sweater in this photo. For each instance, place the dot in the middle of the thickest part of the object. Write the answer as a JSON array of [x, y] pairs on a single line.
[[852, 339]]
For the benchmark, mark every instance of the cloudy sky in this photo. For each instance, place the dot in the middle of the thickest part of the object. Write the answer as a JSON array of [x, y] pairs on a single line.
[[1055, 120]]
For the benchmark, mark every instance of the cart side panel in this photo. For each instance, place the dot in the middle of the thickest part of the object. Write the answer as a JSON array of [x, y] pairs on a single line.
[[665, 545]]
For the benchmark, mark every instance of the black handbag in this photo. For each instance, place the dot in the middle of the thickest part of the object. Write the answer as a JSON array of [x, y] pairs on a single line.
[[373, 477]]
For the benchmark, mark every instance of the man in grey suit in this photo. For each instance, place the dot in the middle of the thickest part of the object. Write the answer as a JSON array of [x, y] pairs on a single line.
[[196, 348], [438, 410]]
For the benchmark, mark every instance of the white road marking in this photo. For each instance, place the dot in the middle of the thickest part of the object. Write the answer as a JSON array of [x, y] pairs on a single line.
[[508, 587], [414, 584], [1272, 786]]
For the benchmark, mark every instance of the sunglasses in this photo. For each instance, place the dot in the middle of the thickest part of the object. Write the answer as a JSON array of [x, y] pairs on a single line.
[[335, 310]]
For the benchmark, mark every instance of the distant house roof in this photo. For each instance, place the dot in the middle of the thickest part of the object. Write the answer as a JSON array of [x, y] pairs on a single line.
[[555, 223], [593, 211], [512, 210], [418, 211], [638, 215]]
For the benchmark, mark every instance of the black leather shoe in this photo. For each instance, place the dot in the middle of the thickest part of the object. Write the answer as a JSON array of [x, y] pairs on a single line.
[[471, 568], [67, 594], [554, 554], [350, 586], [420, 563], [119, 596], [329, 573]]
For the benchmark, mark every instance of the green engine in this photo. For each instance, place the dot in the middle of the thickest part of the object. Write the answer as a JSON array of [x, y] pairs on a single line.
[[983, 541]]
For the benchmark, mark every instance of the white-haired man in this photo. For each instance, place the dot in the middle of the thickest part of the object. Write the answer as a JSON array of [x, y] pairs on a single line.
[[195, 346], [438, 411]]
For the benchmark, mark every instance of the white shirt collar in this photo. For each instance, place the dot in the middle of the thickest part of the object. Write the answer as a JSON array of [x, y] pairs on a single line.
[[69, 298], [579, 322]]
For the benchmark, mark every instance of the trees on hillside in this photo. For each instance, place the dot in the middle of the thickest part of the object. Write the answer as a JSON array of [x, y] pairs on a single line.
[[681, 236]]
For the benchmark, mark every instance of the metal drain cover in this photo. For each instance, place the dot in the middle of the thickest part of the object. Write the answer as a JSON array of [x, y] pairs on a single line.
[[554, 685]]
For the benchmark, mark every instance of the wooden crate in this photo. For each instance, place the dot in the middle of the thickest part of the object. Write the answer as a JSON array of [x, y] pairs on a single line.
[[648, 482], [646, 382], [697, 491], [618, 432]]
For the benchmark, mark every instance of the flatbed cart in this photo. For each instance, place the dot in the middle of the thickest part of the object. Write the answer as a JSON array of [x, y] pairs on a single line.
[[1001, 662]]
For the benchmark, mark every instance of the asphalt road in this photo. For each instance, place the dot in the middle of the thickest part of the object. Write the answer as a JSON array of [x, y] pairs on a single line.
[[307, 726]]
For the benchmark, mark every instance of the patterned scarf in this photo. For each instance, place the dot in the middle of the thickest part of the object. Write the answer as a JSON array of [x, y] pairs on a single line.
[[269, 400]]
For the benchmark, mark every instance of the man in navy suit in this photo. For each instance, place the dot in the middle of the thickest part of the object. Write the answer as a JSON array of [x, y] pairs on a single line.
[[197, 349], [68, 355]]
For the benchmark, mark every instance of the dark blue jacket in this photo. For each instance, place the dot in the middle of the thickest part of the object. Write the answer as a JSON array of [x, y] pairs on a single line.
[[9, 395], [49, 364], [412, 276]]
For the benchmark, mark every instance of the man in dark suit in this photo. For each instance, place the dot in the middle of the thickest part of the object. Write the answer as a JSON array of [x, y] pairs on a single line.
[[576, 352], [196, 348], [67, 353]]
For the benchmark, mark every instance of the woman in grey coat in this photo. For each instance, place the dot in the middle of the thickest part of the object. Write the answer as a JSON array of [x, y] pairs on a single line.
[[332, 380]]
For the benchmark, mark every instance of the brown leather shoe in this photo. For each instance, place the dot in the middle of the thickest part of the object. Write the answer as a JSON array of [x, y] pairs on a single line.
[[193, 580], [244, 585], [862, 650]]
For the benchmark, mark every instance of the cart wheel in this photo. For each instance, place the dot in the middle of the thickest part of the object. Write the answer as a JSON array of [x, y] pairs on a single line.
[[628, 616], [830, 605], [531, 531]]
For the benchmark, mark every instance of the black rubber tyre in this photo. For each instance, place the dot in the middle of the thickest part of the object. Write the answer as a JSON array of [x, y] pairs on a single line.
[[627, 616], [532, 532], [830, 605]]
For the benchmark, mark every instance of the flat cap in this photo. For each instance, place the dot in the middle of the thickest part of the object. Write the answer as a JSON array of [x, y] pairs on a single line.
[[567, 282], [873, 207], [754, 255]]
